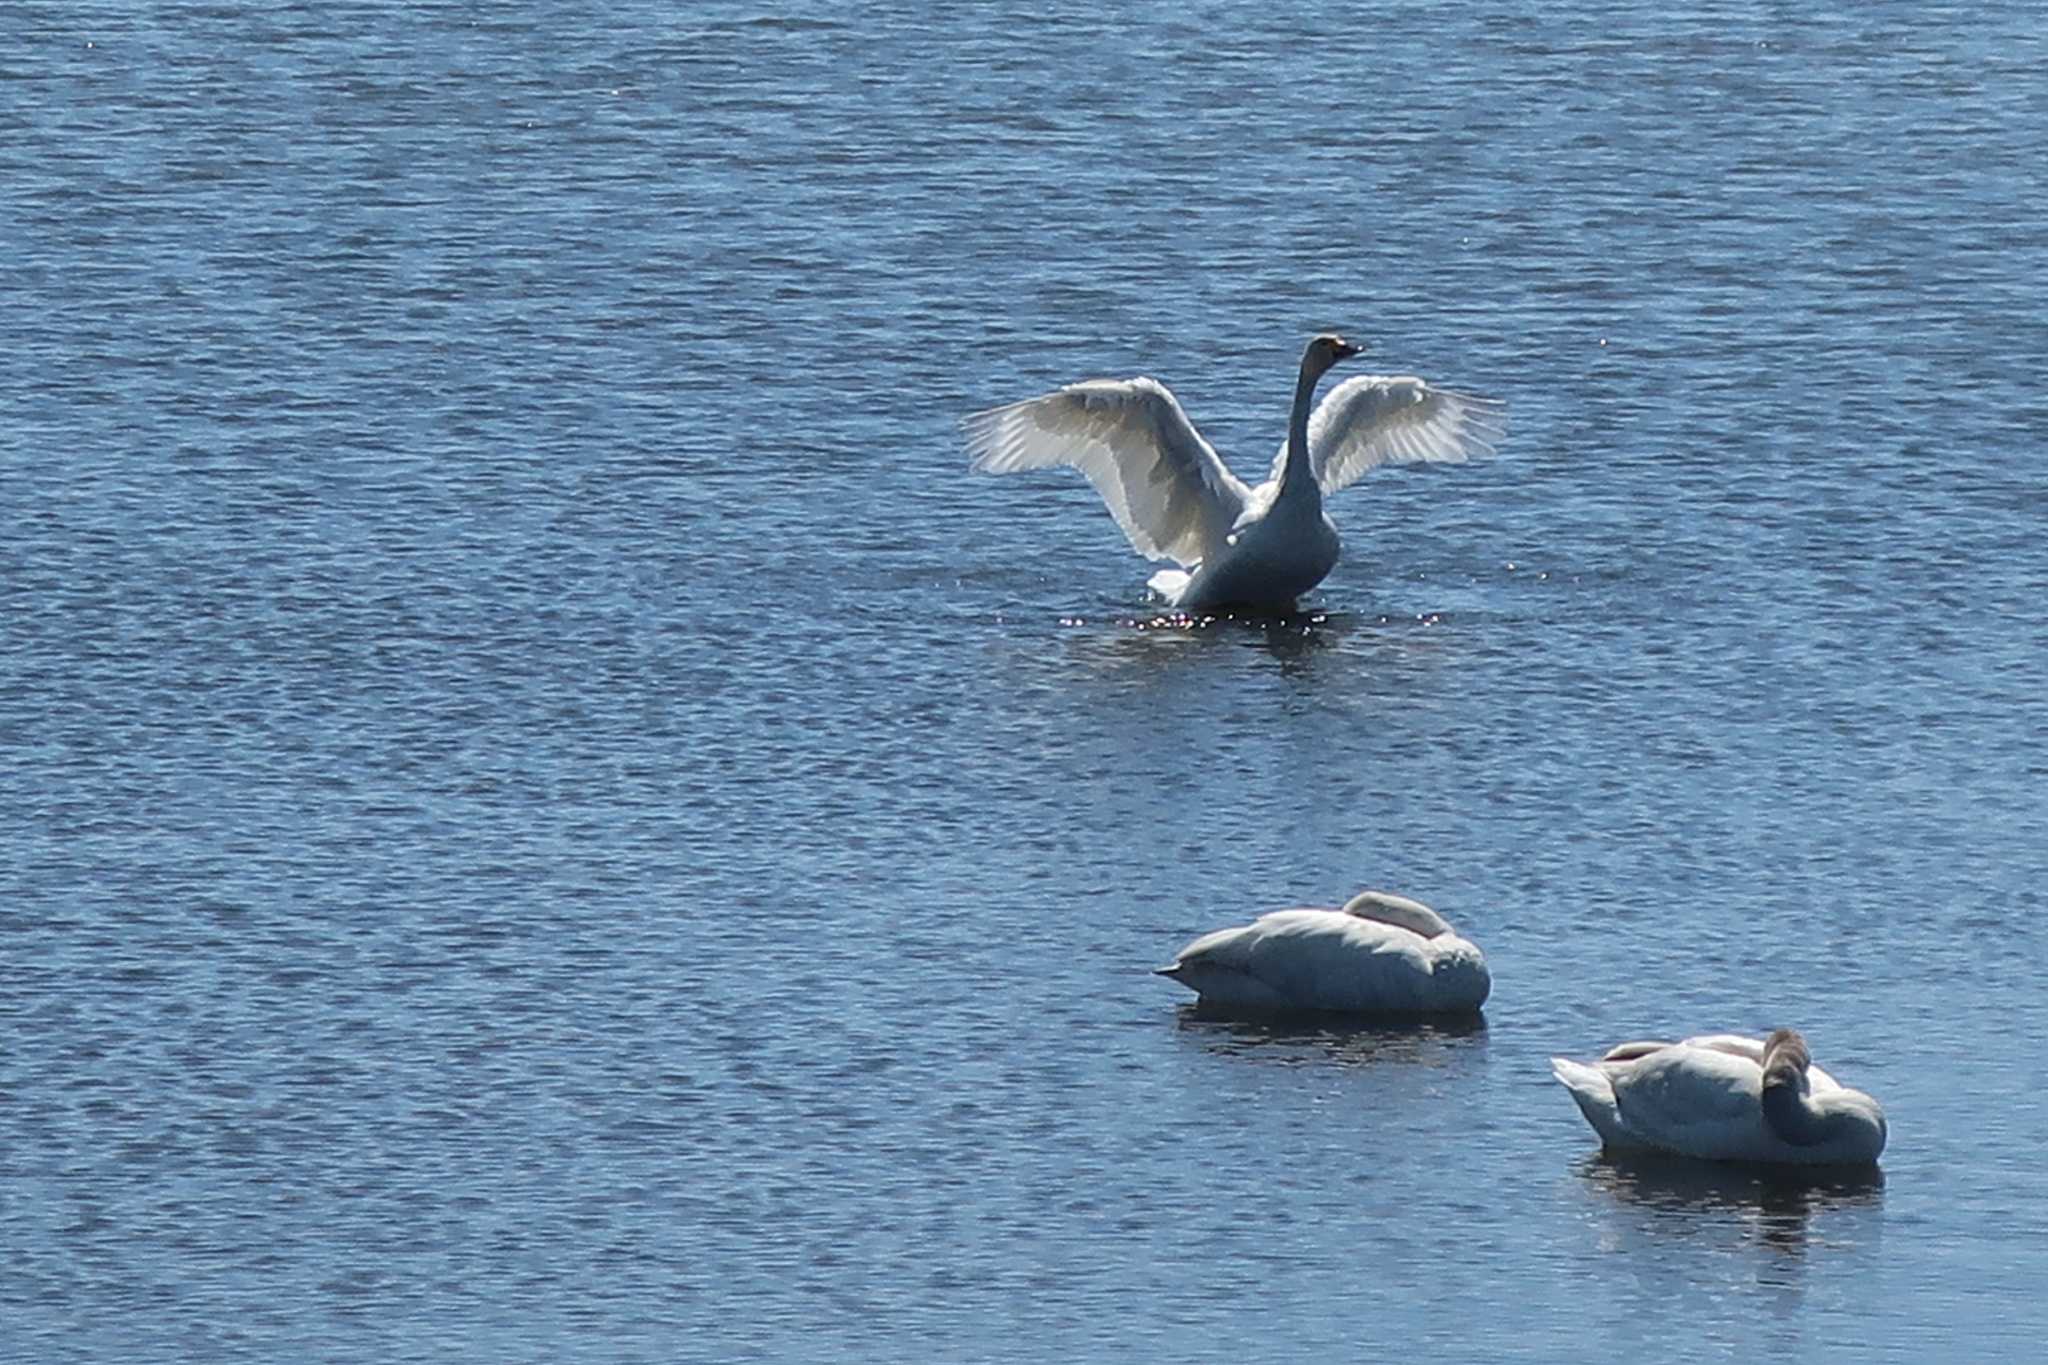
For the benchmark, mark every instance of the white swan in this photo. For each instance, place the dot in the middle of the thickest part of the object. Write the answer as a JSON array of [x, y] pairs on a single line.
[[1238, 546], [1380, 954], [1726, 1098]]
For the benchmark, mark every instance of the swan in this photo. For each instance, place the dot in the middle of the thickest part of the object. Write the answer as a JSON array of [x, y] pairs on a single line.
[[1238, 546], [1380, 954], [1724, 1097]]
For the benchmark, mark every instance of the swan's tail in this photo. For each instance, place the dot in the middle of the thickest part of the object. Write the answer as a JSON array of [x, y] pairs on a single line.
[[1593, 1092], [1580, 1078], [1169, 584]]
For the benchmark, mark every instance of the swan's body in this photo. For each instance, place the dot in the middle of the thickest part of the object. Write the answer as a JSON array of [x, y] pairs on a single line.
[[1259, 547], [1726, 1098], [1380, 954]]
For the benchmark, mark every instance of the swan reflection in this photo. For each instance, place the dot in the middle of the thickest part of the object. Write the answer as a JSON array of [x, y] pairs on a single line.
[[1292, 638], [1112, 640], [1298, 1039], [1779, 1204]]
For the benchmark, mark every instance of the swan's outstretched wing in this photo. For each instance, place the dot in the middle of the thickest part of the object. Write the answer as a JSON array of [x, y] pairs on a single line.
[[1162, 481], [1378, 419]]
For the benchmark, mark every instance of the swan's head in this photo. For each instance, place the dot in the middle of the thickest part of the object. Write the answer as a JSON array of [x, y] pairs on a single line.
[[1329, 348], [1785, 1058]]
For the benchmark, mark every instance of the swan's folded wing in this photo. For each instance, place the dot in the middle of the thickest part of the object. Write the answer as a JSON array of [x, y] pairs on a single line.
[[1164, 484], [1378, 419], [1692, 1100], [1327, 959]]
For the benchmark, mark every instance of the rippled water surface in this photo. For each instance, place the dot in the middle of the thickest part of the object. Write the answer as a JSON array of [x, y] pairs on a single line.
[[547, 817]]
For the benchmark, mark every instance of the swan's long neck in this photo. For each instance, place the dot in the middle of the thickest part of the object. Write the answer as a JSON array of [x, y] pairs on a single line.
[[1849, 1123], [1297, 476], [1788, 1106], [1399, 911]]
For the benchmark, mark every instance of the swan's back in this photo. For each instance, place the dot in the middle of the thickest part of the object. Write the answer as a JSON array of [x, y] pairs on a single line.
[[1691, 1100]]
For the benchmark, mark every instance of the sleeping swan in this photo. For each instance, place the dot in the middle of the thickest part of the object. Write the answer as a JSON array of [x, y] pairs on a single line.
[[1725, 1098], [1380, 954], [1237, 546]]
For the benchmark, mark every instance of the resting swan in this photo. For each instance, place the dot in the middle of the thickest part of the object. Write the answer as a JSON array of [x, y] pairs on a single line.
[[1174, 498], [1380, 954], [1725, 1098]]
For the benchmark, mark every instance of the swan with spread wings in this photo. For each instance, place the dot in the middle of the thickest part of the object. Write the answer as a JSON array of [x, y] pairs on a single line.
[[1237, 545]]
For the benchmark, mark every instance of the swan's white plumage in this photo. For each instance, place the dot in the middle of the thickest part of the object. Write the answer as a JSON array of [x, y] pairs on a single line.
[[1175, 499], [1376, 419], [1703, 1097], [1365, 958], [1164, 484]]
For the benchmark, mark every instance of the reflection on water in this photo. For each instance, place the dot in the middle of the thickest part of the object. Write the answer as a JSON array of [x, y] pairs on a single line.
[[1348, 1039], [1293, 639], [1779, 1203]]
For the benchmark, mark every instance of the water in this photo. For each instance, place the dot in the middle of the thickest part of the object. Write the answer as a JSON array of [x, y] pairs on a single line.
[[548, 818]]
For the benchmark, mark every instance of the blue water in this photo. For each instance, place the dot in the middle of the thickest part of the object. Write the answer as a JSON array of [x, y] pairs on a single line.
[[547, 817]]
